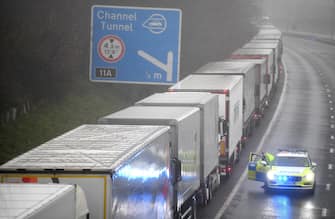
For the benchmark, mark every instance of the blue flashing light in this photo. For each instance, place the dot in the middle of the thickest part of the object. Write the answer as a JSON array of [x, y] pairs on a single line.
[[282, 178]]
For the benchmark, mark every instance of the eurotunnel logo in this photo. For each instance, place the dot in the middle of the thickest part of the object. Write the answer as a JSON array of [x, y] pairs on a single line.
[[135, 45], [111, 48], [156, 24]]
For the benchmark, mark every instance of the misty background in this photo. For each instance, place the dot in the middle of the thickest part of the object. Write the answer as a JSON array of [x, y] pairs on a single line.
[[44, 79], [45, 44], [308, 16]]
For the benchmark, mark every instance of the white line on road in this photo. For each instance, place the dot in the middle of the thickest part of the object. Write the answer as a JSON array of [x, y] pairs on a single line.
[[330, 166], [331, 150], [259, 148], [324, 212], [328, 186]]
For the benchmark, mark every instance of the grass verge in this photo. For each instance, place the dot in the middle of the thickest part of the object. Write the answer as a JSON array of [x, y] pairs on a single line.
[[49, 120]]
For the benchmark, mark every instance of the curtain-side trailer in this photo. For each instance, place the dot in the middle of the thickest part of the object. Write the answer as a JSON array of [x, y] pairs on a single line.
[[208, 105], [40, 201], [126, 171], [249, 73], [184, 123], [230, 93]]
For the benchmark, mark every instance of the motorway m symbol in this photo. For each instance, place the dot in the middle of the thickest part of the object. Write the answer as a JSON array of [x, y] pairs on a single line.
[[168, 67]]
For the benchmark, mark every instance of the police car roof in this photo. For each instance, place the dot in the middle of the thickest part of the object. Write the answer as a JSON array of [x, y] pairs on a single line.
[[292, 154]]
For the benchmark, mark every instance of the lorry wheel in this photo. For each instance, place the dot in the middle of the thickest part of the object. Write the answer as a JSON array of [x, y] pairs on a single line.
[[203, 197], [210, 191], [250, 129], [194, 208]]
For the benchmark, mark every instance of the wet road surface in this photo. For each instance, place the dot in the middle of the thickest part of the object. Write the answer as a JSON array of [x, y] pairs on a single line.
[[305, 117]]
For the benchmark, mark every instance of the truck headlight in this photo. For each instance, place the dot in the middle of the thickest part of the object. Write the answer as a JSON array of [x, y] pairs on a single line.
[[270, 175], [310, 176]]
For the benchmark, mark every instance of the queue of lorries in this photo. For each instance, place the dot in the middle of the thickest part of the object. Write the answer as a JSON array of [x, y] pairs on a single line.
[[162, 157]]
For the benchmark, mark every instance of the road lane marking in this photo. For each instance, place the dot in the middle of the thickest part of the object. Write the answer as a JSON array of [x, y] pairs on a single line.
[[328, 186], [259, 148], [330, 166], [332, 126], [331, 150], [324, 212]]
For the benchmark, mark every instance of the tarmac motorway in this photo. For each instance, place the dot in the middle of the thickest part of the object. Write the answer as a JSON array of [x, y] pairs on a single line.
[[301, 114]]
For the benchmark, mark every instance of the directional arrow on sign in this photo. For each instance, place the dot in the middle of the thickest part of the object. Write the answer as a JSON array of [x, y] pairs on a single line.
[[118, 51], [168, 67]]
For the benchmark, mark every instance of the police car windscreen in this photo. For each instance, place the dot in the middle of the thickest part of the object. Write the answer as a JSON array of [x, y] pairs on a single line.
[[291, 161]]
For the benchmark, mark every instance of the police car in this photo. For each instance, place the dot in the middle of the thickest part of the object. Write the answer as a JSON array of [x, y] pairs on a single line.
[[288, 169]]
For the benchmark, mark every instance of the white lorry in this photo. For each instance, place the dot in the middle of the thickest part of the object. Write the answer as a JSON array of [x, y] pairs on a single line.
[[249, 73], [230, 93], [269, 34], [126, 171], [184, 123], [276, 51], [208, 105], [40, 201], [266, 54], [261, 86], [277, 42]]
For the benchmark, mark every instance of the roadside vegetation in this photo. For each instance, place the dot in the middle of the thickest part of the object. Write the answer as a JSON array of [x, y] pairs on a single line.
[[49, 119], [45, 50]]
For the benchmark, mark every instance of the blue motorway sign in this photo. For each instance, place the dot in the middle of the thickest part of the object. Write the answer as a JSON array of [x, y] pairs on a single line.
[[135, 45]]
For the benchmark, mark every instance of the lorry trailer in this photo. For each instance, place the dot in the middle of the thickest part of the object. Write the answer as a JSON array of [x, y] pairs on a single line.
[[270, 35], [260, 65], [280, 48], [208, 106], [229, 89], [40, 201], [276, 51], [266, 54], [126, 171], [250, 97], [184, 123]]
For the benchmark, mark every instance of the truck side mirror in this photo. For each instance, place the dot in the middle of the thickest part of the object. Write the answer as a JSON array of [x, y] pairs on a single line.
[[175, 171], [222, 126]]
